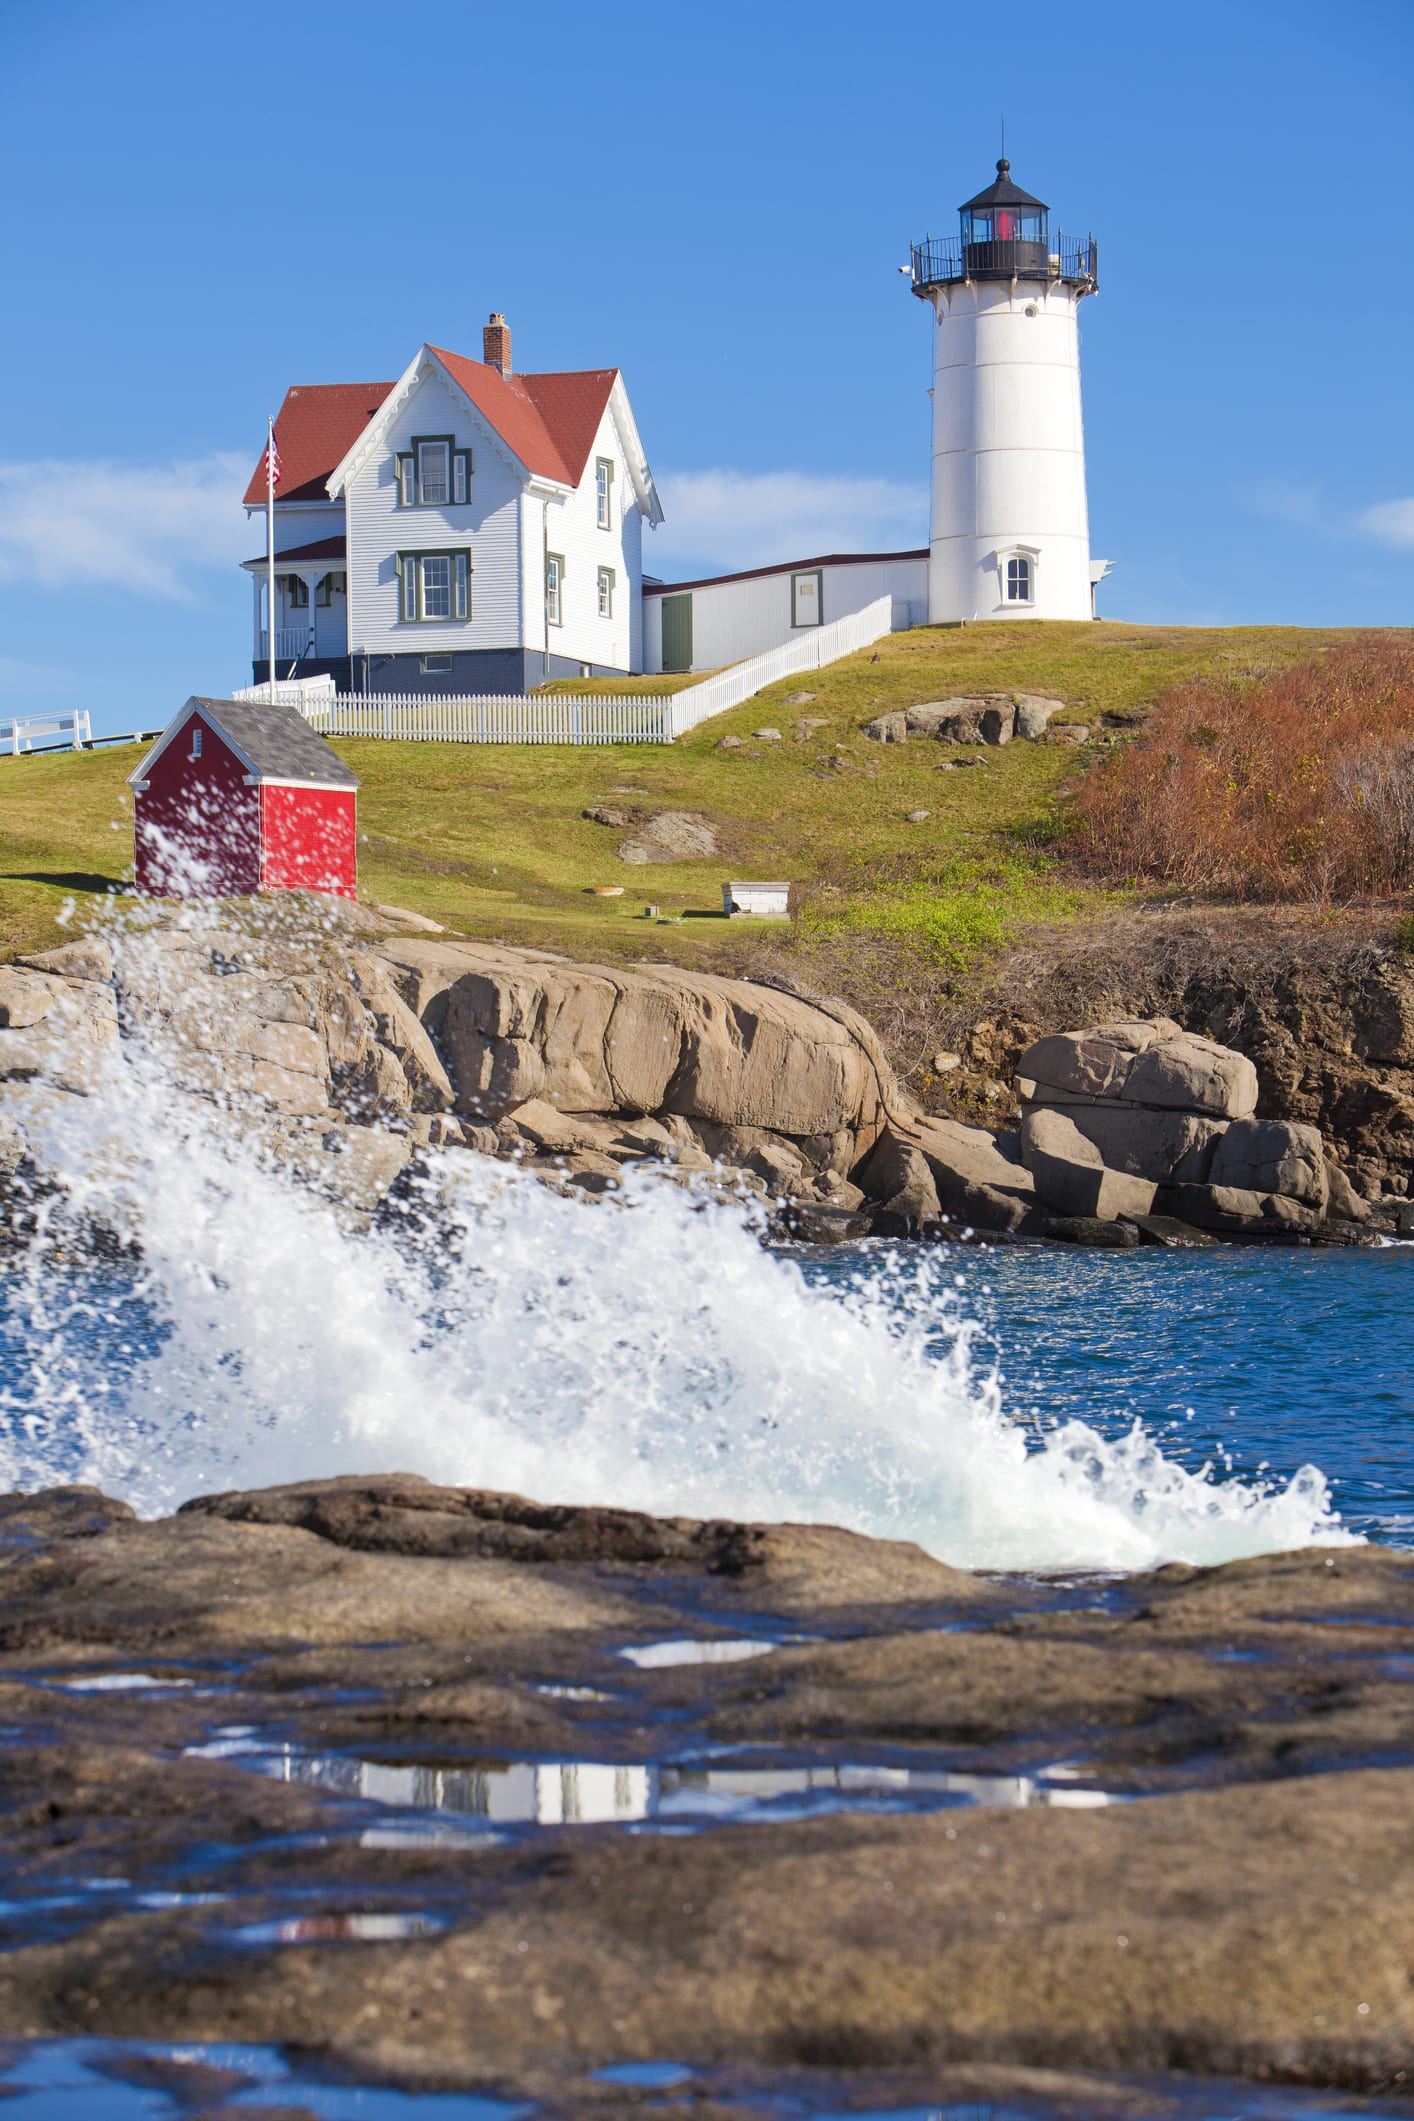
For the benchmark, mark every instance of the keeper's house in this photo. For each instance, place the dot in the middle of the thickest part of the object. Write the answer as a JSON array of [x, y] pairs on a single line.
[[462, 530], [237, 797]]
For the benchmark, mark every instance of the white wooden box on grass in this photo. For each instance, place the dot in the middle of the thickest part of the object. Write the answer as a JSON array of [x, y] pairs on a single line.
[[763, 902]]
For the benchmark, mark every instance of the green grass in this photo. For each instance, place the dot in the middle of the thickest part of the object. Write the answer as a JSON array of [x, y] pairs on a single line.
[[491, 840]]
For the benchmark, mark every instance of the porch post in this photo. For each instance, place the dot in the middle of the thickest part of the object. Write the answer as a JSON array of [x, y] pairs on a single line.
[[312, 582], [256, 585]]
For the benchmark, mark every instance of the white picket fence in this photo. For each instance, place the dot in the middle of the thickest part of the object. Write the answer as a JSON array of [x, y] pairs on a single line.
[[493, 718], [569, 717]]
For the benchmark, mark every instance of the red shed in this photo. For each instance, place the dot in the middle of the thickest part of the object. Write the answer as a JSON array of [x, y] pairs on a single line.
[[237, 797]]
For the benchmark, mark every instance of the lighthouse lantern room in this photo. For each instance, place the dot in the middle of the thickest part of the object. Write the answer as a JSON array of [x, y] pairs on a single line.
[[1009, 535]]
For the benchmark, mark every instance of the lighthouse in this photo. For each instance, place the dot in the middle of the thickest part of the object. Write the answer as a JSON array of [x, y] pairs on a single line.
[[1009, 536]]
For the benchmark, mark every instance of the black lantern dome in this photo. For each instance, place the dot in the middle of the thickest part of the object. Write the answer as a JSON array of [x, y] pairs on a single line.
[[1005, 230], [1005, 236]]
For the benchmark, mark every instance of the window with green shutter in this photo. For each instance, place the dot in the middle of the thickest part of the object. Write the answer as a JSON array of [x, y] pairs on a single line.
[[434, 473], [434, 587]]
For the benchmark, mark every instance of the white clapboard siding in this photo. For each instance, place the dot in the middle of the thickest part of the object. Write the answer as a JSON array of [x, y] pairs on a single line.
[[571, 528], [487, 524]]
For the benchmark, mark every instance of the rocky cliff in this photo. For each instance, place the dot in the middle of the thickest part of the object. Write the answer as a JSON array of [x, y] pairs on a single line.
[[1323, 1010], [353, 1052]]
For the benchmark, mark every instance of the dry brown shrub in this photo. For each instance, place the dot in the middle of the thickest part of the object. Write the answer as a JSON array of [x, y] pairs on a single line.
[[1299, 786]]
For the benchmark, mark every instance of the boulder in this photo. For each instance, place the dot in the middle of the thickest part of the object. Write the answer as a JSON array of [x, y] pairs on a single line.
[[555, 1131], [1068, 733], [1171, 1234], [1144, 1062], [1342, 1200], [1033, 712], [976, 1184], [88, 957], [397, 1032], [985, 718], [1273, 1156], [671, 836], [897, 1175], [1093, 1230], [782, 1167], [25, 998], [513, 1025], [823, 1223], [1088, 1064], [1195, 1075], [887, 728], [1069, 1176], [1236, 1212], [1146, 1142]]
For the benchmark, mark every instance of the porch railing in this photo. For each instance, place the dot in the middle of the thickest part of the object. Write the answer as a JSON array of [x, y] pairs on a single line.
[[292, 644]]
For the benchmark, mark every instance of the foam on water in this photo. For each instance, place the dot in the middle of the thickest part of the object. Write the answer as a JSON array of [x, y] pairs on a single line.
[[647, 1354]]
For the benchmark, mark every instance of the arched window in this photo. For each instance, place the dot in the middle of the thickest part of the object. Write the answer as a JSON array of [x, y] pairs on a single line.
[[1018, 579]]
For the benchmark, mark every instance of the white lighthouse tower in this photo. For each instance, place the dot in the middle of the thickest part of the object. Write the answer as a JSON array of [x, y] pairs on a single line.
[[1009, 536]]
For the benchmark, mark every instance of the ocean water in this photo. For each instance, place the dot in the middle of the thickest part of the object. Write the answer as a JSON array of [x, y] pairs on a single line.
[[1013, 1407], [1255, 1360]]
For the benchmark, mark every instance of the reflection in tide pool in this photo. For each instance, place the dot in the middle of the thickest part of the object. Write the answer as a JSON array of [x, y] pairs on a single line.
[[597, 1793], [718, 1649]]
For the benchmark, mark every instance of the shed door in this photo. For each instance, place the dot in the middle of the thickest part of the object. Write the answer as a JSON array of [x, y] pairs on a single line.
[[677, 633]]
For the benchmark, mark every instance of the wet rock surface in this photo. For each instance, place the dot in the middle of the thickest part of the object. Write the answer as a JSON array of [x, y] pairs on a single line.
[[466, 1789]]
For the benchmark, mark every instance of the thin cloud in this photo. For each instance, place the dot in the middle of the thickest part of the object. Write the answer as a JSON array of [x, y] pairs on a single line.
[[723, 520], [152, 530], [1392, 522], [1304, 508], [139, 527], [1301, 506]]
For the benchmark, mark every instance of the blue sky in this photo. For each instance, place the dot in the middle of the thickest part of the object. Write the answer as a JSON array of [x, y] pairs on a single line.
[[206, 204]]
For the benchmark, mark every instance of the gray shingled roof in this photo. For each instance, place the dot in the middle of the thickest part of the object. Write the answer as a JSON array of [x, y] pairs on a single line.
[[278, 741]]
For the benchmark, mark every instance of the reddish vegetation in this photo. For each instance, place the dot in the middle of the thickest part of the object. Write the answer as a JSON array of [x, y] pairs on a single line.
[[1297, 786]]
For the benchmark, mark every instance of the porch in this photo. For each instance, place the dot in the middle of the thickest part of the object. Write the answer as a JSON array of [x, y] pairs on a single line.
[[311, 605]]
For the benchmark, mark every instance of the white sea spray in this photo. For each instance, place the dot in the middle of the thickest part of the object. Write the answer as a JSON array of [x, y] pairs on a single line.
[[644, 1351]]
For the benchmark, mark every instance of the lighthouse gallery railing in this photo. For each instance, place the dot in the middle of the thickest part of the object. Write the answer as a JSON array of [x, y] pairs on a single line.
[[939, 260]]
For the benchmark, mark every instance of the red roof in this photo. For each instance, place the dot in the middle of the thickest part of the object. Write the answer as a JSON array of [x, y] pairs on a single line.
[[652, 587], [549, 421], [321, 549], [315, 429]]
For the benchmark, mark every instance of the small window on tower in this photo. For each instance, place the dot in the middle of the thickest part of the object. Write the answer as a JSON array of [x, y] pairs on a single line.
[[196, 742], [1018, 580]]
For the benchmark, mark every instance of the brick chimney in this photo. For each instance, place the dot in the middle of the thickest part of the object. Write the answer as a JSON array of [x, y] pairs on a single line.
[[496, 343]]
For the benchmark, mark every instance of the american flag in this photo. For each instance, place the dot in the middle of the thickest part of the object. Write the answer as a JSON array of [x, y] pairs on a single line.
[[273, 456]]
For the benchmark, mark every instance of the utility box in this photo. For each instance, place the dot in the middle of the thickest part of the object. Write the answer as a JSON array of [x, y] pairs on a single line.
[[762, 902]]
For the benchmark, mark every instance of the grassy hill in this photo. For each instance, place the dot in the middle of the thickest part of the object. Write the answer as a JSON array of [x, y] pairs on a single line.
[[491, 840]]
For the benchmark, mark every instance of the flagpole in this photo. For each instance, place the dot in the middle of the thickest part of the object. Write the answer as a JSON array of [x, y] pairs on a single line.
[[270, 545]]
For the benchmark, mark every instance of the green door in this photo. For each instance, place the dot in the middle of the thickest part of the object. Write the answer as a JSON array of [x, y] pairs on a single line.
[[677, 633]]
